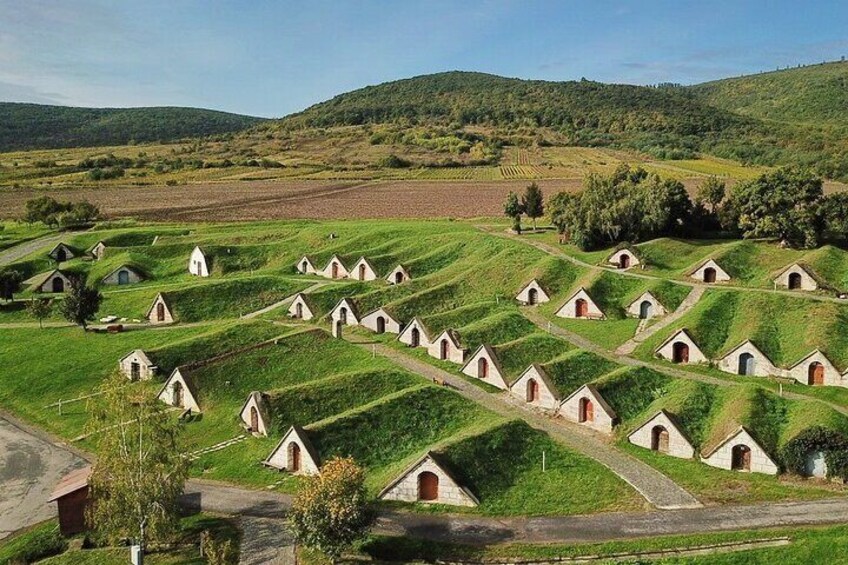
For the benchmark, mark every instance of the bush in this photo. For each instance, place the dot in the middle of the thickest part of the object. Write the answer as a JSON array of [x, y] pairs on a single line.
[[392, 162], [834, 444]]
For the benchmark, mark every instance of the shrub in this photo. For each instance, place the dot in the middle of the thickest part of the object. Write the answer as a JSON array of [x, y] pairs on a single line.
[[393, 162], [834, 444]]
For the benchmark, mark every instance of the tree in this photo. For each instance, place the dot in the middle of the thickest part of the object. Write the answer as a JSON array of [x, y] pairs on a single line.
[[81, 302], [10, 283], [330, 511], [835, 212], [711, 193], [562, 208], [43, 209], [40, 309], [140, 469], [784, 204], [513, 209], [533, 203]]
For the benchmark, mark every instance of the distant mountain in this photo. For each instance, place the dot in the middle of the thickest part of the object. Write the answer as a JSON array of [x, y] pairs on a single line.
[[35, 126], [815, 94]]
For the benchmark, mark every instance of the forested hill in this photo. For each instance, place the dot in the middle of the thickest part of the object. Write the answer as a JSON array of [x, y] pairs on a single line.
[[815, 94], [464, 98], [35, 126]]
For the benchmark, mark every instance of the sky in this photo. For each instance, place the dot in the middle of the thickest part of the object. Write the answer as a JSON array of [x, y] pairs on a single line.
[[267, 58]]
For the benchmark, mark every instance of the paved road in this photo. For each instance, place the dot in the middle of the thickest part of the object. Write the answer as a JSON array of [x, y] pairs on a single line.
[[20, 251], [691, 300], [30, 467], [655, 487]]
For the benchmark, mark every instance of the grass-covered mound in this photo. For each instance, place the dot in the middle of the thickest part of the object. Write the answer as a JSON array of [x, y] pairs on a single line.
[[538, 347], [785, 328], [675, 257], [630, 390], [500, 327], [576, 368], [314, 401], [503, 468]]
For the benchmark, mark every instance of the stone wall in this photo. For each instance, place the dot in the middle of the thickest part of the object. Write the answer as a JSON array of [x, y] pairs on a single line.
[[145, 371], [570, 410], [723, 456], [546, 399], [406, 490], [678, 445]]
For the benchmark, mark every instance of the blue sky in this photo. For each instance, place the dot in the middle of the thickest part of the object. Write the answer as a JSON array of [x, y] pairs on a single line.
[[272, 58]]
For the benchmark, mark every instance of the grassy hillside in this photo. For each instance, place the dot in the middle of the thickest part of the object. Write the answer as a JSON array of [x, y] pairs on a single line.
[[35, 126]]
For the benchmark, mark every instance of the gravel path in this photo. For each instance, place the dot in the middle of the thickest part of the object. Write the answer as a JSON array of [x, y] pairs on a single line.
[[20, 251], [630, 345], [266, 540], [655, 487]]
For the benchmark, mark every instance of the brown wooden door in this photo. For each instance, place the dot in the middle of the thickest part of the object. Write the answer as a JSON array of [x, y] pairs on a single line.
[[444, 349], [381, 325], [624, 261], [532, 390], [298, 310], [135, 371], [681, 352], [532, 296], [294, 458], [415, 339], [254, 419], [587, 410], [362, 272], [160, 312], [581, 308], [740, 458], [178, 394], [659, 439], [709, 275], [428, 486], [335, 273], [482, 368], [815, 374], [343, 315]]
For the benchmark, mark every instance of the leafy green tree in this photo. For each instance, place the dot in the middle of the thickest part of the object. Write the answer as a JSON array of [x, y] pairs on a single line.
[[513, 209], [330, 511], [533, 203], [834, 209], [711, 192], [81, 302], [562, 208], [140, 469], [10, 283], [43, 209], [40, 309], [784, 204]]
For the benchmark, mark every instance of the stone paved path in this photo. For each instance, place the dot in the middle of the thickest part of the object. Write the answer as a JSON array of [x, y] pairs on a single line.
[[655, 487], [630, 345], [266, 540], [283, 302]]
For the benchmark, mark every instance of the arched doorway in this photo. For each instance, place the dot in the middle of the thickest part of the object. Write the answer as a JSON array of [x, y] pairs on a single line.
[[794, 281], [680, 352], [135, 371], [740, 459], [61, 255], [482, 368], [177, 393], [123, 277], [586, 410], [746, 364], [58, 284], [428, 486], [444, 349], [335, 270], [624, 261], [815, 374], [415, 338], [294, 457], [532, 296], [362, 272], [343, 315], [381, 325], [581, 308], [532, 390], [709, 275], [646, 309], [298, 310], [254, 419], [304, 267], [339, 325], [398, 277], [659, 439], [160, 312]]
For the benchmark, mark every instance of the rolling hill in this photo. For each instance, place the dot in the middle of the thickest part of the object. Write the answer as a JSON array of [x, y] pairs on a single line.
[[35, 126]]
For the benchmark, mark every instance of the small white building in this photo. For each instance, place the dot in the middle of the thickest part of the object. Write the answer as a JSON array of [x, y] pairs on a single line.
[[53, 282], [381, 321], [294, 454], [300, 309], [797, 277], [415, 334], [344, 313], [427, 480], [61, 253], [484, 365], [363, 270], [624, 258], [746, 359], [398, 275], [98, 250], [662, 434], [159, 311], [646, 307], [580, 305], [536, 388], [741, 452], [586, 406], [306, 266], [532, 294], [681, 348], [710, 272], [255, 415], [817, 370], [447, 347], [199, 263], [179, 391], [124, 274], [335, 269], [137, 366]]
